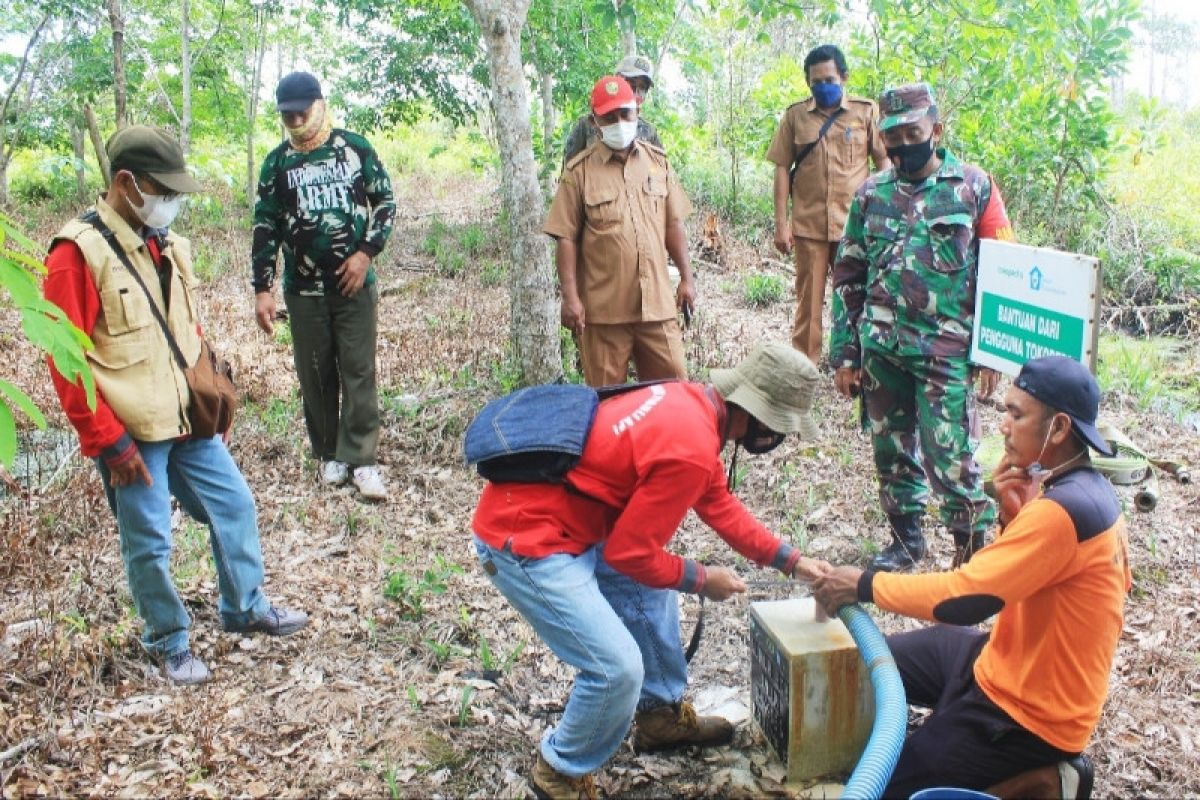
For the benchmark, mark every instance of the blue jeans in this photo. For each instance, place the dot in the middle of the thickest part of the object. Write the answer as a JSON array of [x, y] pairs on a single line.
[[209, 486], [622, 637]]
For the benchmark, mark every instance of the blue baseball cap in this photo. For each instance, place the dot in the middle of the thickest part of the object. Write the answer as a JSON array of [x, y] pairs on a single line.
[[1066, 385]]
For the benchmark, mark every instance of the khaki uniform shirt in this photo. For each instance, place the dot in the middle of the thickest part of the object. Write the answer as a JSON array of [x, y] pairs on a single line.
[[617, 211], [826, 179]]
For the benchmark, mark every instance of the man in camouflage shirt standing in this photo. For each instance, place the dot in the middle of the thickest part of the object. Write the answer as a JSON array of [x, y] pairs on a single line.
[[903, 311], [325, 198]]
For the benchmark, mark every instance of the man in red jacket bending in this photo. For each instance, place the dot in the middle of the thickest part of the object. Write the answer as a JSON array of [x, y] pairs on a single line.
[[585, 562]]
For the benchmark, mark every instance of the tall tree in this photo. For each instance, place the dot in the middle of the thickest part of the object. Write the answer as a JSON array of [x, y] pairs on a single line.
[[120, 87], [534, 311], [185, 77], [16, 101]]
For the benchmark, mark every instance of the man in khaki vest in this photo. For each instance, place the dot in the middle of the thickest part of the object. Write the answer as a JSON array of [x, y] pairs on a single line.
[[138, 432]]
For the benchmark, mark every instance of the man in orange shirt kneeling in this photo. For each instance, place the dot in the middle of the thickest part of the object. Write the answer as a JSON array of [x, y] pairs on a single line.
[[1013, 709]]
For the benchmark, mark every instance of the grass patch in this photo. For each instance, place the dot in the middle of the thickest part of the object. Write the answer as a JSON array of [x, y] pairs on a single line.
[[1156, 372], [456, 247], [762, 290]]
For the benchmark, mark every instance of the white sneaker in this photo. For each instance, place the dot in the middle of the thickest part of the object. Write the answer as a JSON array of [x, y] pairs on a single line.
[[369, 481], [334, 473]]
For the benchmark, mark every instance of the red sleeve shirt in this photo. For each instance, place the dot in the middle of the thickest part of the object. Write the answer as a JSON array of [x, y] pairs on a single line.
[[652, 455], [70, 286], [993, 222]]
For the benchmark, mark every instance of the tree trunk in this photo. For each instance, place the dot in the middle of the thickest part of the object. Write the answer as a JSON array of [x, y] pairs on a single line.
[[549, 154], [185, 66], [5, 157], [118, 38], [80, 168], [534, 309], [89, 115], [260, 50]]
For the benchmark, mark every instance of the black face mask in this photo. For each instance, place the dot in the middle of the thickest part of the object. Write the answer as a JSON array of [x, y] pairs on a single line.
[[760, 439], [909, 159]]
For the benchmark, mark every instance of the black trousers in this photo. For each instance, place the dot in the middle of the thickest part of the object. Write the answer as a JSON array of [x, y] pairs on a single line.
[[968, 741]]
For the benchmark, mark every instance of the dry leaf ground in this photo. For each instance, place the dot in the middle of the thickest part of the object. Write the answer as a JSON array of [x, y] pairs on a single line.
[[445, 693]]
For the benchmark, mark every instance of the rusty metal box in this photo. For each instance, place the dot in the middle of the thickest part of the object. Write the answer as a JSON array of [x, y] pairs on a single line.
[[810, 692]]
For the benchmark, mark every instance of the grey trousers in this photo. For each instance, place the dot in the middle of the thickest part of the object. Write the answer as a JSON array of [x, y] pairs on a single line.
[[333, 340]]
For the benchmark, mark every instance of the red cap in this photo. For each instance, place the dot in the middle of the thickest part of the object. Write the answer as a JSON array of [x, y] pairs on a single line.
[[611, 91]]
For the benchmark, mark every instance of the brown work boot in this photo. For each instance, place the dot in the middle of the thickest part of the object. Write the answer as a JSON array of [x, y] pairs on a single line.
[[678, 726], [550, 784]]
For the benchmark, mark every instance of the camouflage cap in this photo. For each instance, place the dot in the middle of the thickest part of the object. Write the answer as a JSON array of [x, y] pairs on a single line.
[[635, 67], [151, 151], [905, 104]]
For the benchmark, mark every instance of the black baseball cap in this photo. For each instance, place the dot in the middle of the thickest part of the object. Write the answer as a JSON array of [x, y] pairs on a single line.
[[297, 91], [151, 151], [1066, 385]]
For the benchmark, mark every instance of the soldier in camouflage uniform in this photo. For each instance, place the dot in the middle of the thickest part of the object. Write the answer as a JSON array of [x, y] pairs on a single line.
[[903, 310], [636, 71], [326, 200]]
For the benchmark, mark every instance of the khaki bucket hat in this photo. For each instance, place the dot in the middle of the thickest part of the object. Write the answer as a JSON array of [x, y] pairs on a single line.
[[775, 385]]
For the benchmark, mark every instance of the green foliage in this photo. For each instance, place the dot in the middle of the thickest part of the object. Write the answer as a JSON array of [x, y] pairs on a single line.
[[411, 591], [464, 705], [760, 290], [1155, 372], [454, 247], [44, 324], [1022, 86]]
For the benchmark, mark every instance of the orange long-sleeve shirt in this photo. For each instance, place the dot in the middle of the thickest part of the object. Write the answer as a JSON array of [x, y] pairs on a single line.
[[1057, 575]]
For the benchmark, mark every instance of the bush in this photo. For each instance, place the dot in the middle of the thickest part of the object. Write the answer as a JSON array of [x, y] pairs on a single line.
[[763, 290]]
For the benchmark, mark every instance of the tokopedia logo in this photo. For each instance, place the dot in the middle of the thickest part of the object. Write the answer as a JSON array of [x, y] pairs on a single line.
[[1011, 272]]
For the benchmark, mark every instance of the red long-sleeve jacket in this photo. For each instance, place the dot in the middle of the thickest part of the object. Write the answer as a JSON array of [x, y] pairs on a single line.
[[652, 454]]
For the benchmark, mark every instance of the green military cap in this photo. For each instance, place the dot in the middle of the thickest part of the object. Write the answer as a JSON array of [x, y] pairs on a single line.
[[905, 104], [154, 152]]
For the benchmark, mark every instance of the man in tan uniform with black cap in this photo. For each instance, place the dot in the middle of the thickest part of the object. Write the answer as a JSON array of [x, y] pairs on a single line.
[[820, 153], [616, 217]]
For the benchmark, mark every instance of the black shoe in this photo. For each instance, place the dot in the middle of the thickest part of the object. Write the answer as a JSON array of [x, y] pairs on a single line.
[[907, 547], [967, 545], [1076, 776]]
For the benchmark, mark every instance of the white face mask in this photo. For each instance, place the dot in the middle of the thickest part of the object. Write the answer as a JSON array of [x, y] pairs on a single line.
[[156, 211], [619, 135]]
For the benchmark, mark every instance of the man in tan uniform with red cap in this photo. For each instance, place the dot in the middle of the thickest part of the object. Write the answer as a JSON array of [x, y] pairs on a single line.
[[617, 215]]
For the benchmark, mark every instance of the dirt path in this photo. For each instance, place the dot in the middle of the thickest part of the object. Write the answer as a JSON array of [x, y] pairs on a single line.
[[415, 678]]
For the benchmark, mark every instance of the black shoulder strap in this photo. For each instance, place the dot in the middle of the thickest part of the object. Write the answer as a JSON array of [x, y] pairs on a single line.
[[94, 220], [808, 148]]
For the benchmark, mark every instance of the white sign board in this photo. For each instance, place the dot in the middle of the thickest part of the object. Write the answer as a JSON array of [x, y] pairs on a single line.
[[1031, 302]]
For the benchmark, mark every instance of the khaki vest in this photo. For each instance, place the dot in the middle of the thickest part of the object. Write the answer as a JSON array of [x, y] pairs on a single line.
[[135, 369]]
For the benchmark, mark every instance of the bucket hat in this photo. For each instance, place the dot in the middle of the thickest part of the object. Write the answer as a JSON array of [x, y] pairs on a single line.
[[775, 385]]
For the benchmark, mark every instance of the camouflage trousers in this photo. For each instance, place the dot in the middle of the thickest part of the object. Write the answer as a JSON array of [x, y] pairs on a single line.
[[922, 415]]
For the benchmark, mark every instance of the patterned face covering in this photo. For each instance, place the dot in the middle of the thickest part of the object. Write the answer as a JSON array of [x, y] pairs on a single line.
[[315, 131]]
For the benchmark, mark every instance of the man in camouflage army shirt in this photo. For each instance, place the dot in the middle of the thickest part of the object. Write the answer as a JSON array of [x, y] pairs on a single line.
[[326, 200], [903, 310], [636, 71]]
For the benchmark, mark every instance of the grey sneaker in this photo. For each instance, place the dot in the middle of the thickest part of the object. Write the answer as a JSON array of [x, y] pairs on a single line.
[[369, 481], [185, 669], [334, 473], [276, 622]]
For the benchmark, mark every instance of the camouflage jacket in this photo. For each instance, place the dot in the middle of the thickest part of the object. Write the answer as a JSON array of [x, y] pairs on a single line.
[[584, 133], [320, 207], [905, 274]]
